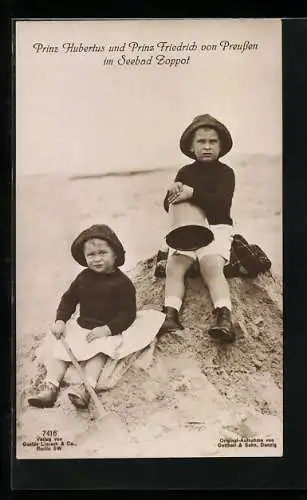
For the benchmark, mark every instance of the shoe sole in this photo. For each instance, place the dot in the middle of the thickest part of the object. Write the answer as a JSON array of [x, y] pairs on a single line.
[[39, 404], [221, 335], [165, 329], [77, 401]]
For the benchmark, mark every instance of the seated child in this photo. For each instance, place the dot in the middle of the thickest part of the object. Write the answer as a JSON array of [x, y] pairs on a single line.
[[107, 300], [209, 184]]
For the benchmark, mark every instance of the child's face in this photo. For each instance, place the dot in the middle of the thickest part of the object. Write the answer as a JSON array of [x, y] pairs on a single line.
[[206, 144], [99, 255]]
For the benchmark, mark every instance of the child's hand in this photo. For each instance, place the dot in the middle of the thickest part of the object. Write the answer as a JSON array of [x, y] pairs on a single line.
[[173, 191], [184, 194], [58, 328], [98, 333]]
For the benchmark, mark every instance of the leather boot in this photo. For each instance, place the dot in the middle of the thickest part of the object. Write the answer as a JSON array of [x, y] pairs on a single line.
[[79, 396], [222, 328], [46, 398], [171, 322]]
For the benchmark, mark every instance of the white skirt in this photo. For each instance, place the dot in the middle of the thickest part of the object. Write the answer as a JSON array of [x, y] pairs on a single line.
[[138, 336]]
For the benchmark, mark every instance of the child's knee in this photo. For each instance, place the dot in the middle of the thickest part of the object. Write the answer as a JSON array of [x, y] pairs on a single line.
[[212, 265], [177, 266], [96, 362]]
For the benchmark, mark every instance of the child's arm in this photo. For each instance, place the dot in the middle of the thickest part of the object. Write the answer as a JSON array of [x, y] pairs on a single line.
[[173, 191], [66, 308]]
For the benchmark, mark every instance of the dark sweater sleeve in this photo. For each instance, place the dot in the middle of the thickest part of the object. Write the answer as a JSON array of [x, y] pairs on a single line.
[[220, 198], [126, 309], [178, 178], [69, 302]]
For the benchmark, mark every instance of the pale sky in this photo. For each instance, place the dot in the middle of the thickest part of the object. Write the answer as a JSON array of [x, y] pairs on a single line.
[[75, 115]]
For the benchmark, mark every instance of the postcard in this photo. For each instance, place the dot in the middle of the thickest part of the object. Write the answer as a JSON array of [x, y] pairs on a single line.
[[131, 343]]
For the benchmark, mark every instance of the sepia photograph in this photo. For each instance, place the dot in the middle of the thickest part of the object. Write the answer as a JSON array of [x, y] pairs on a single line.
[[148, 185]]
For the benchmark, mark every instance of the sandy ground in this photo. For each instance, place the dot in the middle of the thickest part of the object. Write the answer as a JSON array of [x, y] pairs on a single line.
[[187, 396]]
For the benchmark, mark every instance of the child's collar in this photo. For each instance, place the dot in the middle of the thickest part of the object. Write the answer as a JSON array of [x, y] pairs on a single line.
[[103, 274], [212, 162]]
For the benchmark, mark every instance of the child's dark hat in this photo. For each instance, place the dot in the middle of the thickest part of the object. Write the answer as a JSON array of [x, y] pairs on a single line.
[[205, 121], [102, 232]]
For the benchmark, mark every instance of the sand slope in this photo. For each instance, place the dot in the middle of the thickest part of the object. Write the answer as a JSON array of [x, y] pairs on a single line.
[[194, 393]]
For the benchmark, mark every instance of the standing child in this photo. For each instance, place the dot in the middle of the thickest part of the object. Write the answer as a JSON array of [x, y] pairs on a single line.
[[209, 184], [107, 300]]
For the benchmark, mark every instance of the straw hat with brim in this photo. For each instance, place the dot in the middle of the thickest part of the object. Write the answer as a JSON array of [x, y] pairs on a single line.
[[205, 121], [102, 232]]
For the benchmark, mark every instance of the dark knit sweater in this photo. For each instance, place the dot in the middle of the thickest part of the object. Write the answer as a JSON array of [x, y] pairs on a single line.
[[105, 299], [213, 184]]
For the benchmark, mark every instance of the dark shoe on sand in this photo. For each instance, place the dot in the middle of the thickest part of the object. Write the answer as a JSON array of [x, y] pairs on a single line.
[[171, 322], [46, 398], [222, 329], [79, 396]]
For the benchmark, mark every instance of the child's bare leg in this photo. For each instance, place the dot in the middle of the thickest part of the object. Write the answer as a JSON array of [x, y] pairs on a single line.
[[93, 368], [176, 268], [212, 271], [56, 369]]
